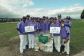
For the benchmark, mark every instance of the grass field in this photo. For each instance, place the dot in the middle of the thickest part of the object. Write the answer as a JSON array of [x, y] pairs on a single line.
[[77, 36], [8, 31]]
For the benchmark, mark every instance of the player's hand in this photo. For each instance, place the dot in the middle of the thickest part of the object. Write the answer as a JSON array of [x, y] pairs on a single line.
[[66, 41], [17, 29]]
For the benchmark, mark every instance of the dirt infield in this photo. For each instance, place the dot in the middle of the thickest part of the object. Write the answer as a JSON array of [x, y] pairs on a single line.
[[13, 50], [80, 54]]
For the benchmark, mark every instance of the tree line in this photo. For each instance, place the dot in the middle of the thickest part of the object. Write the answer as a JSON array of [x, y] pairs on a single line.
[[82, 15], [17, 19], [9, 19]]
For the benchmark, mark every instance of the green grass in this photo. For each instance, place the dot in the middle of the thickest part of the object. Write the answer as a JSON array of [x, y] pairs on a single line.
[[77, 36], [8, 30]]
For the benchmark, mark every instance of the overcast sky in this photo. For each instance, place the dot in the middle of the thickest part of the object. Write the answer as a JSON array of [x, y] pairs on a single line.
[[41, 7]]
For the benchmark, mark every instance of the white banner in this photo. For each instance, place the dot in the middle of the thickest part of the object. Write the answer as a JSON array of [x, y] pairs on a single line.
[[55, 30], [29, 29]]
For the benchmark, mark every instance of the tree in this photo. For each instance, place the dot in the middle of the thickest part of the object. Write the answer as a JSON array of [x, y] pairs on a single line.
[[82, 15], [59, 16]]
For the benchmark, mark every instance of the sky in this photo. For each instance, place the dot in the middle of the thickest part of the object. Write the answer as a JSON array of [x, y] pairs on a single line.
[[40, 8]]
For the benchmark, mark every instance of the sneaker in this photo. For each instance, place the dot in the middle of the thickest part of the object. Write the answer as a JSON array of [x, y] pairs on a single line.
[[21, 54], [59, 54], [36, 50], [67, 55], [26, 46]]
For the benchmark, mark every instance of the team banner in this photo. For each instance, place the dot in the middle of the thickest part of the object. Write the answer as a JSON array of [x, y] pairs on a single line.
[[55, 30], [29, 29]]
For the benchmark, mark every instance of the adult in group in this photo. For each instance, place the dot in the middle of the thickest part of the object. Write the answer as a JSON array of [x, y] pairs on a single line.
[[56, 36], [28, 19], [21, 31], [65, 38], [44, 25], [31, 35]]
